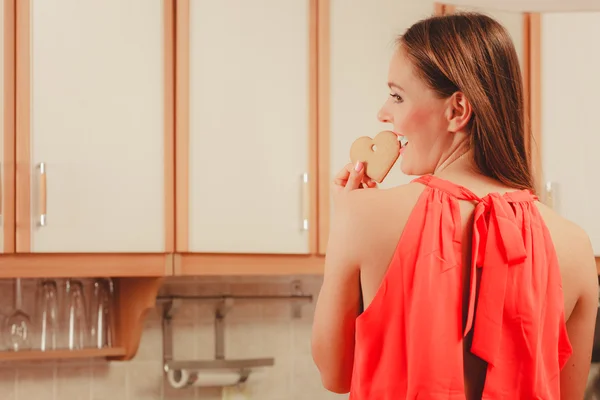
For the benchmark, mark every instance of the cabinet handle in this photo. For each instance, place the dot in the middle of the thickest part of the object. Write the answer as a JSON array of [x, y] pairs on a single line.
[[42, 194], [549, 195], [305, 201]]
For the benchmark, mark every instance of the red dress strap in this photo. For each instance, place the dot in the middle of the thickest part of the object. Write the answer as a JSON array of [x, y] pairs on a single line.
[[462, 193]]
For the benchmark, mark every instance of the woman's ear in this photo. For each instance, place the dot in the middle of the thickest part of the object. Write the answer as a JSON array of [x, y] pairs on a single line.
[[459, 112]]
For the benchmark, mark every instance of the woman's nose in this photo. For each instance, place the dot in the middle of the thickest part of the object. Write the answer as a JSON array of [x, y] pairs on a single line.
[[382, 116]]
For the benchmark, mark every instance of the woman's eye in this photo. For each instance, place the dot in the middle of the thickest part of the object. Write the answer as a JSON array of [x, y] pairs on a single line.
[[396, 97]]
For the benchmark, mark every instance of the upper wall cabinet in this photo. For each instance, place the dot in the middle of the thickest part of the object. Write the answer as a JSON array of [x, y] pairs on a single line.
[[94, 126], [513, 21], [246, 126], [7, 125], [356, 44], [562, 85], [570, 136]]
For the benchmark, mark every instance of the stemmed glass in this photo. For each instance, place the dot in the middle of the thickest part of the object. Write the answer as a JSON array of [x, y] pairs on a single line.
[[17, 326]]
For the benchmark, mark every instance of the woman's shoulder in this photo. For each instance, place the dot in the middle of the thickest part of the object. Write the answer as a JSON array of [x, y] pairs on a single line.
[[367, 207], [570, 240], [372, 219], [575, 256]]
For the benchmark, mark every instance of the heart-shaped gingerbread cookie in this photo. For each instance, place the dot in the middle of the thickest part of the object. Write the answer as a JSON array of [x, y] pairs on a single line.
[[378, 154]]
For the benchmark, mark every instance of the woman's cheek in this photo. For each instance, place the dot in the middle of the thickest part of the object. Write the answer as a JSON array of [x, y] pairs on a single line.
[[417, 119]]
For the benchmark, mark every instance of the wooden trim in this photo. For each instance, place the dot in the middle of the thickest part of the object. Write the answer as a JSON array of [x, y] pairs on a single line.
[[440, 9], [324, 125], [249, 264], [182, 124], [313, 121], [7, 191], [61, 265], [169, 110], [535, 102], [177, 264], [22, 123]]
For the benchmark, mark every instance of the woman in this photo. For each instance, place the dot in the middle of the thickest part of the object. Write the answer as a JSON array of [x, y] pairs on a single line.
[[471, 287]]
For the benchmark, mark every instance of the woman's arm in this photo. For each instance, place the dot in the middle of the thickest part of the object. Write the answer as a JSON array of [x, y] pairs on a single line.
[[339, 299]]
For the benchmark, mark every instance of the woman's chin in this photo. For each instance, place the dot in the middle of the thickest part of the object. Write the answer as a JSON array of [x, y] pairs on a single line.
[[406, 167], [411, 169]]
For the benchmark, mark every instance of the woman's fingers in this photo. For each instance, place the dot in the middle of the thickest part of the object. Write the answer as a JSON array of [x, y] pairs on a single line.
[[353, 177]]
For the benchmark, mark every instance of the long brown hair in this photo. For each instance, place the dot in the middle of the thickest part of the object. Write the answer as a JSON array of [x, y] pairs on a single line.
[[472, 53]]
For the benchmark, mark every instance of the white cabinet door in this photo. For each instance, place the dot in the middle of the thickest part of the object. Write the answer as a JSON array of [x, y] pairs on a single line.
[[248, 126], [92, 113], [513, 22], [570, 134], [362, 41]]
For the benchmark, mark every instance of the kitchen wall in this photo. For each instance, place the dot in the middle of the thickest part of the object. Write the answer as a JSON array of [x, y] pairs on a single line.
[[253, 329]]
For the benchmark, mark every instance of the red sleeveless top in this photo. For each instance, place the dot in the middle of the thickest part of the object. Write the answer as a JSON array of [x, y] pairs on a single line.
[[409, 340]]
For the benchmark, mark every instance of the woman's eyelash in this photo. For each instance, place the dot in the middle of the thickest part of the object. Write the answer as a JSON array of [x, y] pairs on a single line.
[[396, 97]]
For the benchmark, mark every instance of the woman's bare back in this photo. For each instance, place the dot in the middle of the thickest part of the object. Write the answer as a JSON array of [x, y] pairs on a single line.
[[386, 214]]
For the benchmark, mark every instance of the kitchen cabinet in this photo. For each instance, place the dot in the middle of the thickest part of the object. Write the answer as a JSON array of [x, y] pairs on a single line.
[[246, 127], [356, 43], [561, 85], [515, 23], [87, 141], [94, 142], [7, 125], [569, 87]]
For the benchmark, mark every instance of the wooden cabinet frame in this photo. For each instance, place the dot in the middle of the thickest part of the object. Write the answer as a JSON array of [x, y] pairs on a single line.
[[7, 187], [187, 263], [17, 220], [137, 276], [17, 261]]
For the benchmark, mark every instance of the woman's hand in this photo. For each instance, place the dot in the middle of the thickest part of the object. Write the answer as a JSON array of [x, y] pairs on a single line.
[[352, 177]]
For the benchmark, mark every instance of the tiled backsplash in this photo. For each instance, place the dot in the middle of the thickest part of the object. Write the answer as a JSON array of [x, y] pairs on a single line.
[[253, 329]]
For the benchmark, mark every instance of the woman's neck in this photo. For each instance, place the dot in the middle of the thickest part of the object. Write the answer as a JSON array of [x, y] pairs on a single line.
[[458, 165], [458, 159]]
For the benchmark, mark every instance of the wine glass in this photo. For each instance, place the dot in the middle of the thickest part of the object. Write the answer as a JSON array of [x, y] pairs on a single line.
[[17, 327]]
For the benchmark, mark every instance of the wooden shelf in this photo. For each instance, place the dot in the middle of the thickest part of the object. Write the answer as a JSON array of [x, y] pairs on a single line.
[[134, 298], [83, 265], [30, 355], [212, 264]]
